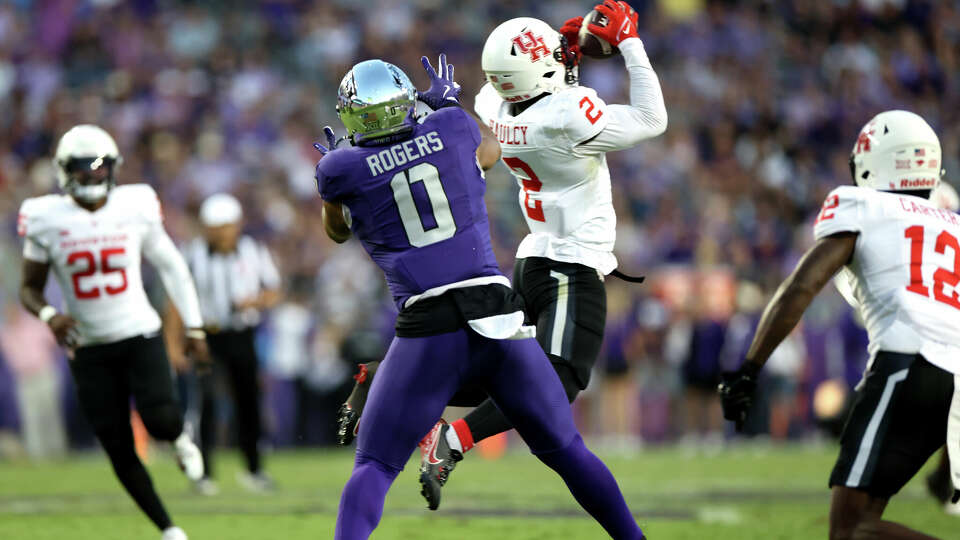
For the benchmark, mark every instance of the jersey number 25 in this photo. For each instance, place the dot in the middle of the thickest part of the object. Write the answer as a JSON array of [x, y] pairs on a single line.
[[88, 259]]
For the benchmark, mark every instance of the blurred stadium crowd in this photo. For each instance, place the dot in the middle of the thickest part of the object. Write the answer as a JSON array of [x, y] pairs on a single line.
[[765, 99]]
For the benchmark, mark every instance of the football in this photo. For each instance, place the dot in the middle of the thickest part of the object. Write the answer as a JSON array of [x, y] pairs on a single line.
[[591, 45]]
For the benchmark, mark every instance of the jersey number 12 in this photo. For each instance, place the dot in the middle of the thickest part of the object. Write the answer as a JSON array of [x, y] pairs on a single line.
[[942, 277]]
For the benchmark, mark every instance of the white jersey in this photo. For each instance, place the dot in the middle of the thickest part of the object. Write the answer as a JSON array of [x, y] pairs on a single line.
[[95, 257], [905, 271], [556, 149]]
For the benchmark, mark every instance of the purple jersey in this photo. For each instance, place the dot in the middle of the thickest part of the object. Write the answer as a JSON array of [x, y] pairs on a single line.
[[417, 205]]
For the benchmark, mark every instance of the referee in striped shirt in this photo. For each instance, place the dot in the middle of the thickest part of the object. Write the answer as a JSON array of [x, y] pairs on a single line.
[[236, 280]]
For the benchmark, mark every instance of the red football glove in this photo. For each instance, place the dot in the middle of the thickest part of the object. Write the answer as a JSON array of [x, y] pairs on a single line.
[[621, 22], [571, 31]]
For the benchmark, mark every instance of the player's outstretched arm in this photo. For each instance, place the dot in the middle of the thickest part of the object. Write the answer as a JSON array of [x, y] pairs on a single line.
[[646, 116], [488, 152], [784, 311], [159, 249], [445, 92], [334, 222], [780, 317]]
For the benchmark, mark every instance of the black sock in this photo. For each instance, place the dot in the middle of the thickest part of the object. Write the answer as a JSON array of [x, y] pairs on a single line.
[[486, 420], [134, 477]]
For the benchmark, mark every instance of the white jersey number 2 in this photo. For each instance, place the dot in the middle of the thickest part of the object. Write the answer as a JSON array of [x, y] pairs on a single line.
[[413, 224]]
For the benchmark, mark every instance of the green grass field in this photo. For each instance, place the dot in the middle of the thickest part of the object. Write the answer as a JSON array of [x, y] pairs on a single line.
[[745, 493]]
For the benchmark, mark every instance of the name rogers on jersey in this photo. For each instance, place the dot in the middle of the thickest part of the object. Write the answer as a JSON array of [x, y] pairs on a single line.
[[401, 154]]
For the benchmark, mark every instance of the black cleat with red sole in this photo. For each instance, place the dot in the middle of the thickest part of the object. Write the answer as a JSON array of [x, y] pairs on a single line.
[[348, 416], [437, 461]]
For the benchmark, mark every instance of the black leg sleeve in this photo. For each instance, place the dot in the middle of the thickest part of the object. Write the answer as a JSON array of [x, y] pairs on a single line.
[[118, 443], [151, 382]]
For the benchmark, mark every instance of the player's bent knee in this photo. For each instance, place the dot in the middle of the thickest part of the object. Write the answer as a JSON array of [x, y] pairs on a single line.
[[163, 422], [559, 453]]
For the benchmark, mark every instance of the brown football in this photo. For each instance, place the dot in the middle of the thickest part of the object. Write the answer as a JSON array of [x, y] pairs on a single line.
[[591, 45]]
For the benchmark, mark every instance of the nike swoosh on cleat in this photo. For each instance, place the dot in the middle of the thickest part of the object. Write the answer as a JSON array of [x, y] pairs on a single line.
[[432, 456]]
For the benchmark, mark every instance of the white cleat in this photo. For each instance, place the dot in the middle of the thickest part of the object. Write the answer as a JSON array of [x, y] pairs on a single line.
[[173, 533], [188, 457], [256, 482], [206, 487]]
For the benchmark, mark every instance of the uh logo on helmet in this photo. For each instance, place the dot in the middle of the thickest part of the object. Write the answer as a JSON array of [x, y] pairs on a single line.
[[525, 57], [896, 151]]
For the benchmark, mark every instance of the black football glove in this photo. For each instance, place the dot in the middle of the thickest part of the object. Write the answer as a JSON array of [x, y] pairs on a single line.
[[737, 389]]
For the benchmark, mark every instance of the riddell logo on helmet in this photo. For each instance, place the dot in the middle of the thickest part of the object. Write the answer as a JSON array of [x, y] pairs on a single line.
[[917, 183], [527, 43]]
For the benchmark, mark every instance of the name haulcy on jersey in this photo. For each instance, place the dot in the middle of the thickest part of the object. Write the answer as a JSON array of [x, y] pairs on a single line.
[[905, 272], [556, 149], [96, 259]]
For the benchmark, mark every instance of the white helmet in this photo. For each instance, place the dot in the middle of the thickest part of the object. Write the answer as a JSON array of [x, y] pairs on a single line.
[[897, 151], [88, 147], [525, 57]]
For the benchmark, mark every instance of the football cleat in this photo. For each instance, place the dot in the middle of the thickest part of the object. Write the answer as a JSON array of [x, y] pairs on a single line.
[[173, 533], [259, 482], [348, 416], [939, 486], [189, 457], [437, 461], [206, 487]]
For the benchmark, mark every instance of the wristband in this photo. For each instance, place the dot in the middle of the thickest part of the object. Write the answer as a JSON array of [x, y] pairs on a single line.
[[46, 313], [196, 333]]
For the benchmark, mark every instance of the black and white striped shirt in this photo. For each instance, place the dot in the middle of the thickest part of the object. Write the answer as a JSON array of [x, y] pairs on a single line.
[[225, 279]]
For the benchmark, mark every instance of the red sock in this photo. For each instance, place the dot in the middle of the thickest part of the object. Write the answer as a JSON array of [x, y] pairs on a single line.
[[463, 433]]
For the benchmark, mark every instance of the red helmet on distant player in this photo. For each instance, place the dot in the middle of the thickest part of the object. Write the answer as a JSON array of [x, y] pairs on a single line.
[[897, 151], [525, 57]]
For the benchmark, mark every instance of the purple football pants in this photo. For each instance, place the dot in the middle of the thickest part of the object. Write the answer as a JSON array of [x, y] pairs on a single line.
[[414, 384]]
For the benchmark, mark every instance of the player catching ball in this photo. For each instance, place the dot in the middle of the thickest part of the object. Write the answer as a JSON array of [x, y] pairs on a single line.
[[412, 193], [92, 237], [554, 135], [902, 257]]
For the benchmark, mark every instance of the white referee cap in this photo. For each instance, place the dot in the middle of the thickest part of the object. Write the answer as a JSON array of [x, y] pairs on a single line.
[[220, 209]]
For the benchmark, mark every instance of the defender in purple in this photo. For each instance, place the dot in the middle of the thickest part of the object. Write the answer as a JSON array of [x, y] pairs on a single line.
[[412, 193]]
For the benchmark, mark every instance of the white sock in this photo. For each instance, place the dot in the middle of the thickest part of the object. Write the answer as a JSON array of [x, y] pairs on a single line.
[[453, 440]]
